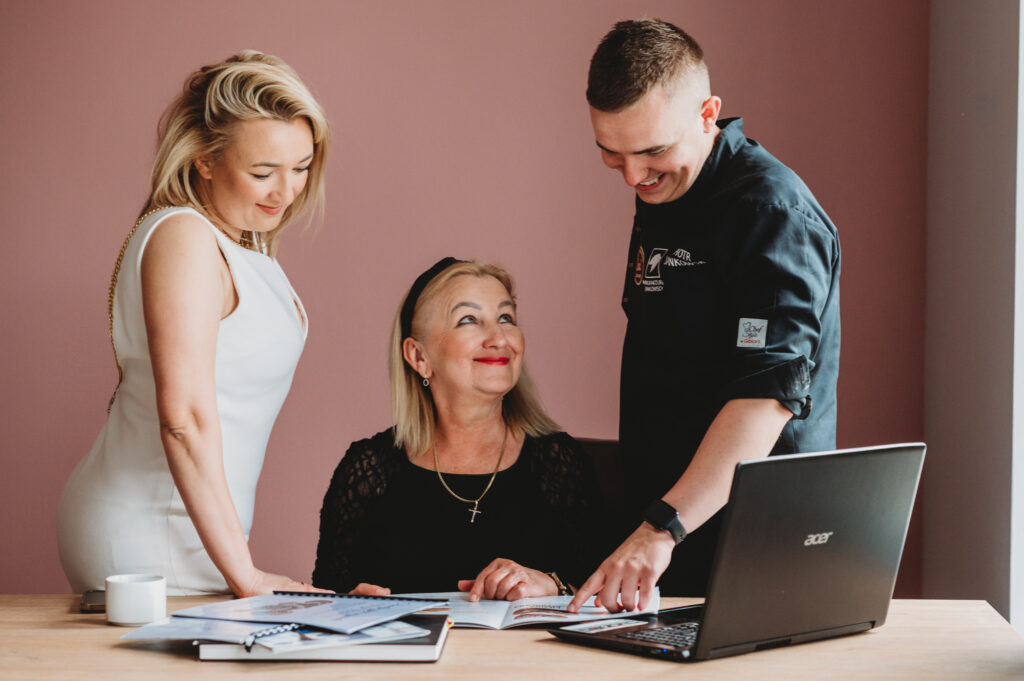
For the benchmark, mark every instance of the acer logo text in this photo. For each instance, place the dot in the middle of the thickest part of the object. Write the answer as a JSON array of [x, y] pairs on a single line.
[[814, 539]]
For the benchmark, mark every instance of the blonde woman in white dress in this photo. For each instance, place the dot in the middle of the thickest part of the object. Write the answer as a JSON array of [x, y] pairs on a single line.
[[207, 332]]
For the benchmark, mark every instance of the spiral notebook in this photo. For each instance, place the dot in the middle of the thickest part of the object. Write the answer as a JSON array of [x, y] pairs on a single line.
[[426, 647], [335, 612], [242, 634]]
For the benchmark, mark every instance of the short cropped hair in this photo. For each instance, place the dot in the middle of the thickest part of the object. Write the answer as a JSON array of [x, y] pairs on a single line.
[[412, 405], [200, 122], [637, 55]]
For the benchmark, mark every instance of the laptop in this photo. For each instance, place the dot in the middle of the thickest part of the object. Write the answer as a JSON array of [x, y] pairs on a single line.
[[809, 549]]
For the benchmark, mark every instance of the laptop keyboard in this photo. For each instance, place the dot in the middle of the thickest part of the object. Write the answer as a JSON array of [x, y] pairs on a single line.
[[682, 635]]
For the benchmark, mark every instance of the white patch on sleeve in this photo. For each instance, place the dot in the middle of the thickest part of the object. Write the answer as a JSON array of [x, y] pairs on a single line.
[[752, 333]]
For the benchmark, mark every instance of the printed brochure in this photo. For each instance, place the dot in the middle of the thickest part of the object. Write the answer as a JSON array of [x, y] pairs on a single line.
[[525, 611]]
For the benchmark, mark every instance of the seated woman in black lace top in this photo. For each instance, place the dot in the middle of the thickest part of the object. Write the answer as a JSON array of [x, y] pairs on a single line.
[[473, 488]]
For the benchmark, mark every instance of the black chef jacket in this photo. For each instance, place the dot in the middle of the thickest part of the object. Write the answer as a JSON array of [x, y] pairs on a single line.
[[732, 291]]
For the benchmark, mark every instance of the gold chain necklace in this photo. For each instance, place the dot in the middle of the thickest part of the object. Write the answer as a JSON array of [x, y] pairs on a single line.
[[475, 502], [113, 285], [110, 299], [249, 239]]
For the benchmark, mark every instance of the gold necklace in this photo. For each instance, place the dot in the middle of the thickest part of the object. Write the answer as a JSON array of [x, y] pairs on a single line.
[[248, 240], [225, 233], [475, 502]]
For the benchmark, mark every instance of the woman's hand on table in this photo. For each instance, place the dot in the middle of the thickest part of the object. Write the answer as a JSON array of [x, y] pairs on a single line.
[[267, 582], [365, 589], [507, 580]]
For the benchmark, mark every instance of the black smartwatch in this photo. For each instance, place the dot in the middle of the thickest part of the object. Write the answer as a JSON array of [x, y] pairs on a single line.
[[662, 516]]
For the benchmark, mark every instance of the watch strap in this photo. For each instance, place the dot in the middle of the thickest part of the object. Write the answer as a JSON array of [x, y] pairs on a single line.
[[662, 516]]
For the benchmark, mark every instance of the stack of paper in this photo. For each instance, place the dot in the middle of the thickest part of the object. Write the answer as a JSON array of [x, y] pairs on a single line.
[[306, 627]]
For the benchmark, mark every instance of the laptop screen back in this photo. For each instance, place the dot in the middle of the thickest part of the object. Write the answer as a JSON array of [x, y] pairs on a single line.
[[810, 547]]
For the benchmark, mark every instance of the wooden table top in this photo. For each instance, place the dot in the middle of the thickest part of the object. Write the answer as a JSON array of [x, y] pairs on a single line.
[[45, 637]]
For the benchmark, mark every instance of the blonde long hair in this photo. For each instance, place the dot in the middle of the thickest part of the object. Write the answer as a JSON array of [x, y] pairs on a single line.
[[250, 85], [412, 406]]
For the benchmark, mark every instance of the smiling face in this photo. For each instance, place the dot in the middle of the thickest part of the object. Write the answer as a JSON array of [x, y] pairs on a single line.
[[472, 346], [660, 143], [251, 184]]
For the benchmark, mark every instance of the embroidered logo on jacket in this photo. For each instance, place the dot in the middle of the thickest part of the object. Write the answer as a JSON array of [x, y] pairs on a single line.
[[682, 258], [653, 270], [752, 333], [647, 270], [647, 273]]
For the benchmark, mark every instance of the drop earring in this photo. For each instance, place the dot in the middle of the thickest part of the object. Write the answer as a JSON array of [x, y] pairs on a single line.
[[426, 383]]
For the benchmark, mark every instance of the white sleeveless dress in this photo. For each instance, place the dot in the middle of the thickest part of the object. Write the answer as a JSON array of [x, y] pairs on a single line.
[[120, 511]]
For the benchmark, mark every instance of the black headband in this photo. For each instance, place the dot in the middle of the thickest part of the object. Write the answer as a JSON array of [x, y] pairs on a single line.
[[409, 306]]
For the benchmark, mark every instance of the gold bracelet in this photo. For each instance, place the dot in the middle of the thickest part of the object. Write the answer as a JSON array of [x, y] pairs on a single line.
[[563, 590]]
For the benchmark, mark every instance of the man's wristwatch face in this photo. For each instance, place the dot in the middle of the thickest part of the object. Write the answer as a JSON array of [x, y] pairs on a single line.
[[662, 516]]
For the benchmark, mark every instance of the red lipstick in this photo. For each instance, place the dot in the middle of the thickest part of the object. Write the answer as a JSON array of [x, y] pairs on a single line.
[[493, 361]]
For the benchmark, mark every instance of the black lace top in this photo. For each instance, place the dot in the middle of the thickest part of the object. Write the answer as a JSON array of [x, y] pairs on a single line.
[[386, 521]]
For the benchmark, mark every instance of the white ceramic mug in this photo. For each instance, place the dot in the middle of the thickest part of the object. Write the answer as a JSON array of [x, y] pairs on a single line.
[[133, 600]]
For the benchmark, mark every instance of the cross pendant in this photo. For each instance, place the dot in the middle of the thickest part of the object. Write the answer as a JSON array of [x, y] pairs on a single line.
[[474, 512]]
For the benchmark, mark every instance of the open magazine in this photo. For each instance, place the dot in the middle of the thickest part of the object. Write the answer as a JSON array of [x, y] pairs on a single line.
[[485, 614]]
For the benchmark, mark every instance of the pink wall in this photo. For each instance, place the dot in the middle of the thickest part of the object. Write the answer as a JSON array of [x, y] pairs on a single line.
[[460, 128]]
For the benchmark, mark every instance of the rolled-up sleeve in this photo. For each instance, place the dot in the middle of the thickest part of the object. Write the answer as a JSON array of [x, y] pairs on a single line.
[[780, 287]]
